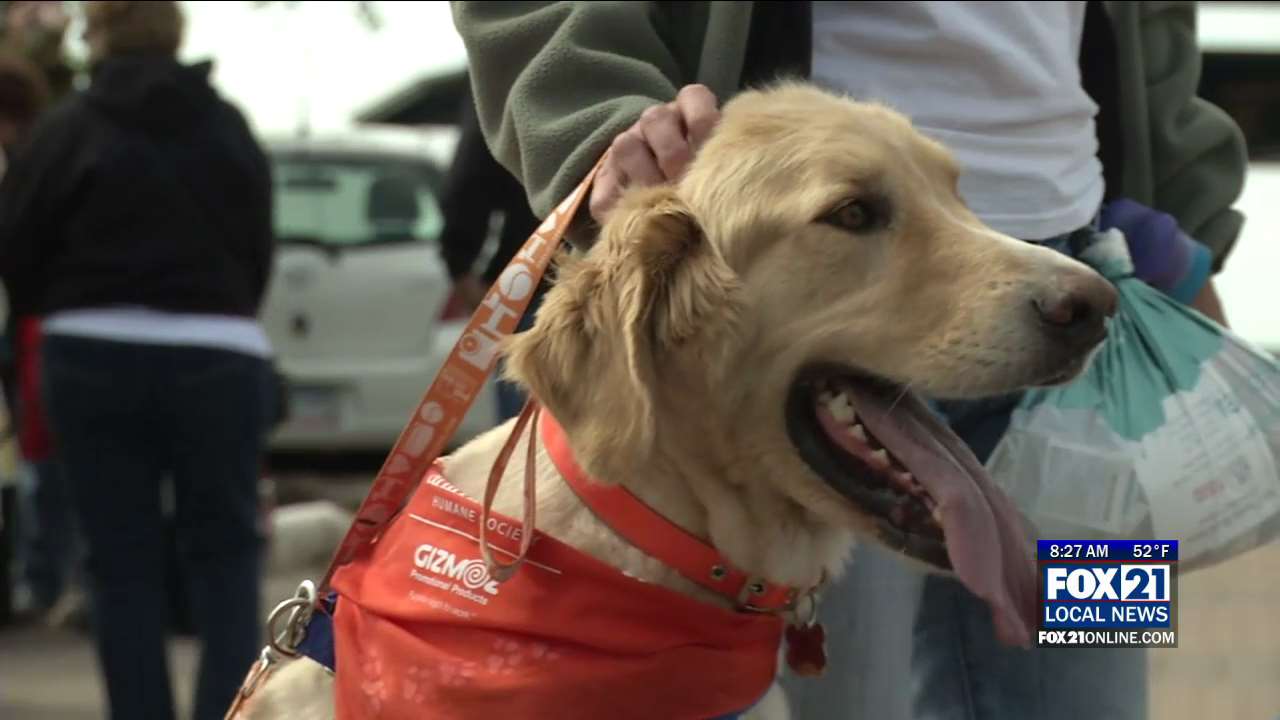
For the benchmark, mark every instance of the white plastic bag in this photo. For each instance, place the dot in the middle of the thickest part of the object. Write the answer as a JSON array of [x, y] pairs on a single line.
[[1173, 433]]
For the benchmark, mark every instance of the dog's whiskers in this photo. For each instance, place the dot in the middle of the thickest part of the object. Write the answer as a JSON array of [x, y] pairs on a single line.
[[905, 389]]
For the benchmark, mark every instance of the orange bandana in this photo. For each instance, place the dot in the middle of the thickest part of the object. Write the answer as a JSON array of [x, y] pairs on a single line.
[[422, 630]]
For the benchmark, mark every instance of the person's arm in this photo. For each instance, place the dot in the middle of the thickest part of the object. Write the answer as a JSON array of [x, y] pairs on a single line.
[[555, 83], [1197, 153], [518, 223], [254, 242], [467, 201]]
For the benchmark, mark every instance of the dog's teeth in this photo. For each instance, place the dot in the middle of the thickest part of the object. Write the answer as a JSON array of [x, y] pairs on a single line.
[[906, 479], [840, 409], [857, 432], [880, 459], [826, 396]]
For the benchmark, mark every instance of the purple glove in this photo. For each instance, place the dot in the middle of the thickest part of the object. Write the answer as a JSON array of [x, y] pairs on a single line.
[[1163, 256]]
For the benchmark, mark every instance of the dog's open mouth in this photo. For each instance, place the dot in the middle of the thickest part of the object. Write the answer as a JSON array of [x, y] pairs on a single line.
[[833, 423], [880, 447]]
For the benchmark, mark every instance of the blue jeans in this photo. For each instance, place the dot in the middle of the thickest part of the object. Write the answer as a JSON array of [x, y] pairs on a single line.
[[961, 672], [50, 541], [125, 418], [943, 662]]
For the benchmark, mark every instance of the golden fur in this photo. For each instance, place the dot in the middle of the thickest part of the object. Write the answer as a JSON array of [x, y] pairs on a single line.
[[667, 350]]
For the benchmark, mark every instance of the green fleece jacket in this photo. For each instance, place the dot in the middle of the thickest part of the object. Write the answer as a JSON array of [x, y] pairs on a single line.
[[555, 82]]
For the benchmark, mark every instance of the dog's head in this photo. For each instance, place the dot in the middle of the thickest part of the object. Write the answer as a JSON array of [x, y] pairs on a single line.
[[770, 317]]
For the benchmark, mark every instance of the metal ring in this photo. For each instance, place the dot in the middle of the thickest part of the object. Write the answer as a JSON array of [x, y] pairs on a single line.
[[306, 591], [813, 608], [300, 607]]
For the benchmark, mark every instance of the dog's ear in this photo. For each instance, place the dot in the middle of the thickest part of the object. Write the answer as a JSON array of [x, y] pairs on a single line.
[[652, 299]]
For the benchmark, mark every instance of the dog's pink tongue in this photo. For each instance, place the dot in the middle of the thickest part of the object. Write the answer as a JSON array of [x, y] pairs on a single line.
[[986, 540]]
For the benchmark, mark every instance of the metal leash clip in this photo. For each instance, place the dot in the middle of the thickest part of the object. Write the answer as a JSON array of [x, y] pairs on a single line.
[[285, 643], [299, 609]]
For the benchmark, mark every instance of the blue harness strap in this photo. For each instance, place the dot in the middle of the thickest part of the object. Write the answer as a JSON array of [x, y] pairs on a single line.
[[317, 642]]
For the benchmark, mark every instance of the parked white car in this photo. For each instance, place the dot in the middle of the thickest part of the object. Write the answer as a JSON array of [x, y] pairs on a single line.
[[356, 307]]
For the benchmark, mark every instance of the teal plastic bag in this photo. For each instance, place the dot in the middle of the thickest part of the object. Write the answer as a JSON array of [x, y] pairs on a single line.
[[1172, 433]]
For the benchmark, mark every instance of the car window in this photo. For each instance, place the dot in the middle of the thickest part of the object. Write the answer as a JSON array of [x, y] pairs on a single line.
[[347, 203]]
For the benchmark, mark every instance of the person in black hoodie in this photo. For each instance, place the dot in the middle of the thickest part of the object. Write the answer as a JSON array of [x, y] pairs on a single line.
[[137, 225]]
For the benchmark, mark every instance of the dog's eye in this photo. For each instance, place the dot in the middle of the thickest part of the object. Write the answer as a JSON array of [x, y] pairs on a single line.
[[854, 216]]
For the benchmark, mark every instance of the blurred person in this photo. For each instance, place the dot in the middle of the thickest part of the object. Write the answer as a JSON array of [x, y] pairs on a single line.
[[47, 537], [35, 29], [477, 188], [137, 225], [1054, 108], [24, 94]]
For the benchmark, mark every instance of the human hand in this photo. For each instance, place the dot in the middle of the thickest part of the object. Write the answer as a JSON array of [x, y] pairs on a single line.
[[657, 148]]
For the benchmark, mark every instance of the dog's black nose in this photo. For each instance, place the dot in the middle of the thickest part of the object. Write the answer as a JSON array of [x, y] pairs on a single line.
[[1077, 310]]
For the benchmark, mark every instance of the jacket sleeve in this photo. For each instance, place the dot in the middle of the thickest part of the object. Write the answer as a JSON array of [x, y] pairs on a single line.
[[1197, 153], [555, 82], [261, 236], [17, 251], [30, 198]]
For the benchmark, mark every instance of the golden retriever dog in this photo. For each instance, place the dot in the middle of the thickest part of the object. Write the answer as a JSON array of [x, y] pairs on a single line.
[[744, 350]]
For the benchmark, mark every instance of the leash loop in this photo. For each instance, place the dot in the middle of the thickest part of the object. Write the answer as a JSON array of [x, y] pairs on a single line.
[[497, 570]]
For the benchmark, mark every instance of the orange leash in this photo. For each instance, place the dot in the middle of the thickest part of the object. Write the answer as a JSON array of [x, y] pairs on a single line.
[[457, 385]]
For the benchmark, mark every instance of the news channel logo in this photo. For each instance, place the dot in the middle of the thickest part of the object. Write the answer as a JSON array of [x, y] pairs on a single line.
[[1112, 593]]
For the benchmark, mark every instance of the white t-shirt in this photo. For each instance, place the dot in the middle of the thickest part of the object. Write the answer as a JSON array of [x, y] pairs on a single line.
[[998, 83]]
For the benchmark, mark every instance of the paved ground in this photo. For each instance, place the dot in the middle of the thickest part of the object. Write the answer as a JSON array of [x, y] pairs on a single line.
[[46, 675], [52, 675], [1226, 668], [1227, 664]]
